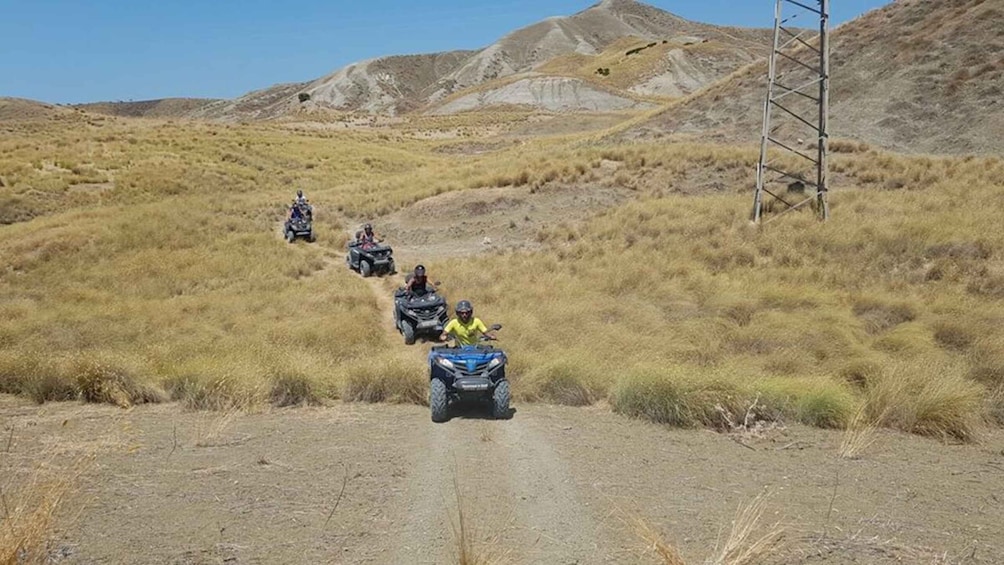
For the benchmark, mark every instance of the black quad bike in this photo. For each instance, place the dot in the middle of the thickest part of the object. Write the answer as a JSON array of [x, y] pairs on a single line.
[[370, 258], [299, 227], [420, 316], [468, 372]]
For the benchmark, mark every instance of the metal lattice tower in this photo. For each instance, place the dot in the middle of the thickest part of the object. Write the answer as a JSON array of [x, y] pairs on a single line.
[[797, 105]]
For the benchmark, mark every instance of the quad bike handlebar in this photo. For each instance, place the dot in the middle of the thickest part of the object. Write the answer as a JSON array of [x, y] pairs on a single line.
[[491, 328]]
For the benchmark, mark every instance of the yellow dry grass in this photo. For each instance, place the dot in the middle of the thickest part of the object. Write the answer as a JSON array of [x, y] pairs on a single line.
[[745, 544], [472, 544], [30, 507], [165, 277], [679, 309], [860, 433]]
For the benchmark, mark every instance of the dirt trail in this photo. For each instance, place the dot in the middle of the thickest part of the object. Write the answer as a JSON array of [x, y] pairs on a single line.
[[518, 497], [383, 292], [552, 485], [500, 472]]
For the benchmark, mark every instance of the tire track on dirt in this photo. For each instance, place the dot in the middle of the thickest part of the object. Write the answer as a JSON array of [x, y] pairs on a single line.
[[519, 499], [563, 529], [517, 496]]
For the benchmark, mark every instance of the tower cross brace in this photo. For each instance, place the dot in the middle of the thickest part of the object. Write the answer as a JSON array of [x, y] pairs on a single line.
[[798, 99]]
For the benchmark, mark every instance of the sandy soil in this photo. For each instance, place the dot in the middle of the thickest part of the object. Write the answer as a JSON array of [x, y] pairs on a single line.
[[489, 219], [552, 485]]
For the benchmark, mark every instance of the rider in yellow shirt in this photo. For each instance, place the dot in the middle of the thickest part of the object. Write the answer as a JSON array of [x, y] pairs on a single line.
[[465, 327]]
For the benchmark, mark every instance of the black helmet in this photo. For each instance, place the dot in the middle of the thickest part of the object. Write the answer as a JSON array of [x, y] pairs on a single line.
[[420, 271], [368, 228], [299, 193], [464, 310]]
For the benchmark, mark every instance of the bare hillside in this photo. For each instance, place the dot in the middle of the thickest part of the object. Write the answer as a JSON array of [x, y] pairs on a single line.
[[395, 85], [260, 104], [916, 76], [390, 84], [161, 108], [17, 109]]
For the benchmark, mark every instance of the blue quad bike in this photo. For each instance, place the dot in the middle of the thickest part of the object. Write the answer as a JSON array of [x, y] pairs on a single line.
[[468, 372]]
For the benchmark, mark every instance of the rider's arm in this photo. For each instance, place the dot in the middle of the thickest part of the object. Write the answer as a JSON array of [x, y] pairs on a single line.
[[480, 326], [447, 330]]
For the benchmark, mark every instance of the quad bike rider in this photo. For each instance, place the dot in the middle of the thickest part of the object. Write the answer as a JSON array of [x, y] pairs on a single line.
[[301, 202], [418, 307], [368, 255], [466, 328], [418, 284], [366, 235], [467, 371]]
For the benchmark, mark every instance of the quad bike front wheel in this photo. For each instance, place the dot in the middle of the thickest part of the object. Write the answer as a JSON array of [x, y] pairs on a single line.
[[290, 236], [437, 400], [408, 331], [365, 269], [500, 401]]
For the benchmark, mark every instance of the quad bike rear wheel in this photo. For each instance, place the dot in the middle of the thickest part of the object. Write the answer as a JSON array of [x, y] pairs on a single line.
[[437, 400]]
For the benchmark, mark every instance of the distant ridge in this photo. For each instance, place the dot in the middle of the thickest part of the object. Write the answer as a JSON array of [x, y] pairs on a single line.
[[690, 55]]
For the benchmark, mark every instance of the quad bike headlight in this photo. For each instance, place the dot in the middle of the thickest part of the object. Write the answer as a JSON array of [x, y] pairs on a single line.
[[446, 363], [495, 362]]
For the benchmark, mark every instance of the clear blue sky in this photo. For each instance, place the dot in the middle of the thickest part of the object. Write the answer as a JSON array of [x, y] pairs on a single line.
[[88, 50]]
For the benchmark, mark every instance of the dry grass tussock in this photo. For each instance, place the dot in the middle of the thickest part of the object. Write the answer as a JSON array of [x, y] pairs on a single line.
[[860, 433], [31, 506], [745, 544], [929, 397], [385, 378], [472, 545]]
